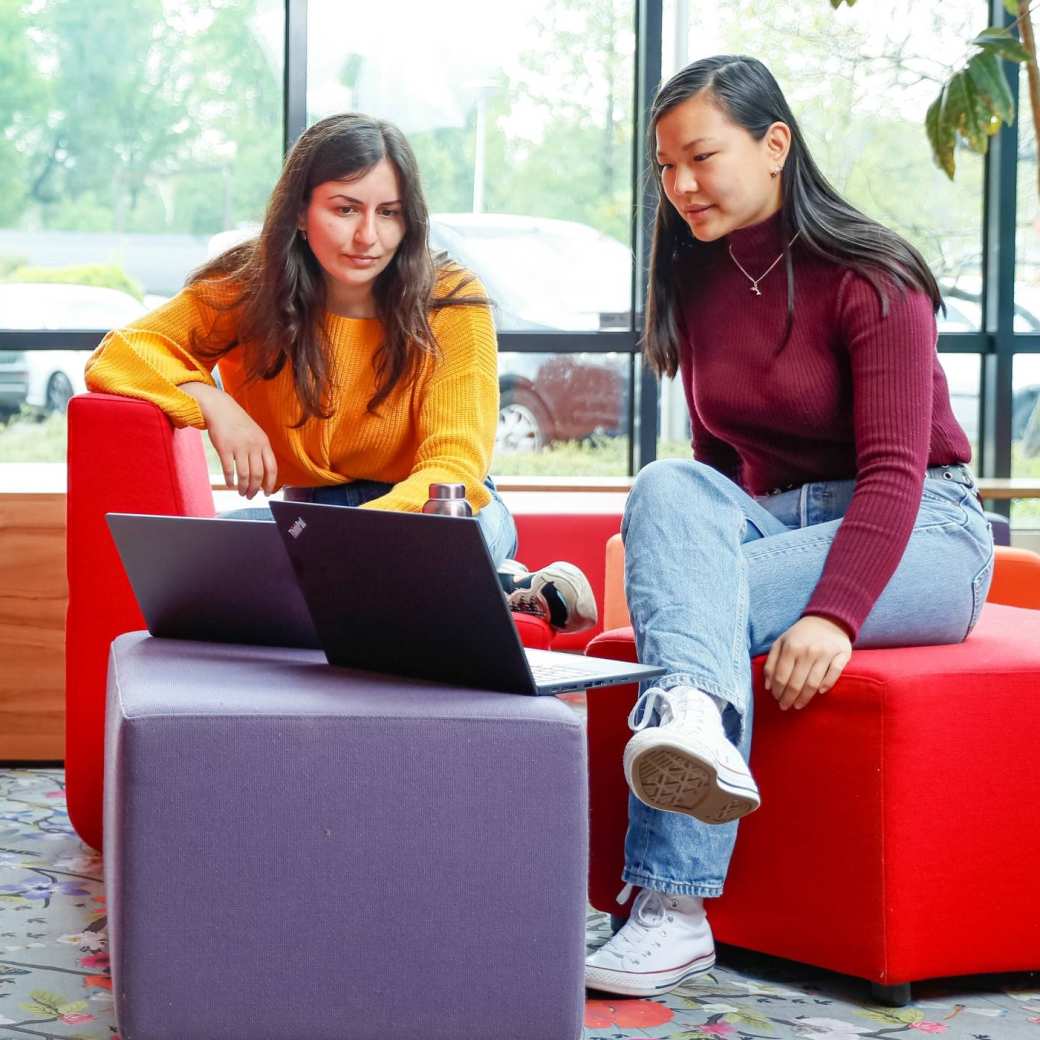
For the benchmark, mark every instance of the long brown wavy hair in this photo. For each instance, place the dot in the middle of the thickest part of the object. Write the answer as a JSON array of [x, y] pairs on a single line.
[[279, 286]]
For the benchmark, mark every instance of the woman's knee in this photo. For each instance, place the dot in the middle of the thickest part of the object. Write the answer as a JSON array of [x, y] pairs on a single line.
[[668, 483]]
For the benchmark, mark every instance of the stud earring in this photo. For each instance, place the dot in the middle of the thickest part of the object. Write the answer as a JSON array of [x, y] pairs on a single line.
[[775, 172]]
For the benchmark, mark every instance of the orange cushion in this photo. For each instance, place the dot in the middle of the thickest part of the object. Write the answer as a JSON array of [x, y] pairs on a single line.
[[1016, 581]]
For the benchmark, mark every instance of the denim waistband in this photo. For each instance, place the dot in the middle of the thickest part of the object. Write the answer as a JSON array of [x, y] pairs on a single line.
[[958, 472], [955, 471]]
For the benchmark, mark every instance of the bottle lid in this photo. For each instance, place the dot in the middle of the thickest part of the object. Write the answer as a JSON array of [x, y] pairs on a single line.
[[447, 491]]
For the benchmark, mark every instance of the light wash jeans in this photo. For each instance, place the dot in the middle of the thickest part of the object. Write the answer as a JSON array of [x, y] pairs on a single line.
[[495, 521], [713, 577]]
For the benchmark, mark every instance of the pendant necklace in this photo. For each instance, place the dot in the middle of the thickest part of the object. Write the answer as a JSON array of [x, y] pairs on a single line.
[[754, 281]]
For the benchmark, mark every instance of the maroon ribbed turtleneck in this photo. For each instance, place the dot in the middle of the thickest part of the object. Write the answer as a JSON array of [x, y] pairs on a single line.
[[851, 394]]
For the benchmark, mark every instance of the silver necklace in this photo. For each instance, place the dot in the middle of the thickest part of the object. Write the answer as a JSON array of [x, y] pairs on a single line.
[[754, 281]]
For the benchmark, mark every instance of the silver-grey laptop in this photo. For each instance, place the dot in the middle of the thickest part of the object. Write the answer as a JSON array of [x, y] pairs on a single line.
[[221, 581], [418, 595]]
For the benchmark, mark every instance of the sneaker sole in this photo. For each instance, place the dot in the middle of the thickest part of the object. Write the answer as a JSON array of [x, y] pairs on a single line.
[[678, 780], [636, 984]]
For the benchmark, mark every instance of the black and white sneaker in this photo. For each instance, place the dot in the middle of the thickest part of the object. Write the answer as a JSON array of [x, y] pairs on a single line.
[[559, 594]]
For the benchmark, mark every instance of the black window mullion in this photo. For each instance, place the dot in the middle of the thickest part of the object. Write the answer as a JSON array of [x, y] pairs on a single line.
[[565, 342], [649, 17], [294, 91], [998, 297]]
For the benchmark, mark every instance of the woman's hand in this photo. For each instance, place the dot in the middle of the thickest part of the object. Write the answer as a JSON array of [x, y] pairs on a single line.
[[242, 445], [806, 660]]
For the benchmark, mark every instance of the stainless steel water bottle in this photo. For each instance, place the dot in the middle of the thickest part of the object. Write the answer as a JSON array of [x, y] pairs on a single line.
[[448, 500]]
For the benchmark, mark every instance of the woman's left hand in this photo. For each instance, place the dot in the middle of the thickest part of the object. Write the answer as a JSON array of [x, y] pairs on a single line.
[[806, 660]]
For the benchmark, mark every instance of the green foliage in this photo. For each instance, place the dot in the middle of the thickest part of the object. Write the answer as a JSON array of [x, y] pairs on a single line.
[[111, 276], [24, 439], [999, 41], [9, 264], [165, 115], [974, 101], [114, 109]]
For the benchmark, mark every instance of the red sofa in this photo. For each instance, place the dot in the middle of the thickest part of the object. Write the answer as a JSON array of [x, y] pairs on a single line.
[[124, 456], [897, 837]]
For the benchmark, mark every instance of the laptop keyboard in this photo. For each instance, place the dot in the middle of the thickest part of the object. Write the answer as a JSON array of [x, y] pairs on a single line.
[[557, 672]]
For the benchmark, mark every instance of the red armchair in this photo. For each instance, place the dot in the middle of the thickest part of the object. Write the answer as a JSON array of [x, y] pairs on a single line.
[[915, 852], [124, 456]]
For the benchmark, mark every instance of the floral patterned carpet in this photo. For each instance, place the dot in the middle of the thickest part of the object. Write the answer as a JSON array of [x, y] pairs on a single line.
[[55, 985]]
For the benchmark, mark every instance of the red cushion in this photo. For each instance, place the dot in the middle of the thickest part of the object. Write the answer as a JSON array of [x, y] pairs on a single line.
[[123, 457], [533, 632], [577, 538], [897, 838]]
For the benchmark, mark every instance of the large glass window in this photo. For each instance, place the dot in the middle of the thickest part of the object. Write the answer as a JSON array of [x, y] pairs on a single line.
[[136, 133], [963, 375], [141, 138], [521, 118], [1027, 212], [1025, 435], [673, 421]]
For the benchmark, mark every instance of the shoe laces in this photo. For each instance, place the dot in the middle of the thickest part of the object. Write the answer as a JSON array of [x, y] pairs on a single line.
[[647, 925], [545, 602], [527, 601], [691, 707]]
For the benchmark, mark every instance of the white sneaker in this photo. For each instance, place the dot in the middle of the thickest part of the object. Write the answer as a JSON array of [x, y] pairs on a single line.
[[559, 594], [687, 764], [666, 940]]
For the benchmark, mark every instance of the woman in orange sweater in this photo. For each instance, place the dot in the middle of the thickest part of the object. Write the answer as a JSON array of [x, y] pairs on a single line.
[[356, 368]]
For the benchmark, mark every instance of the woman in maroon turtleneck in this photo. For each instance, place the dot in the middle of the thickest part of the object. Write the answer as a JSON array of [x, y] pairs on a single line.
[[828, 502]]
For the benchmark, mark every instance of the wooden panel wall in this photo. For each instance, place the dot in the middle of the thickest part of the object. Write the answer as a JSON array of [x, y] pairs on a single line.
[[32, 626]]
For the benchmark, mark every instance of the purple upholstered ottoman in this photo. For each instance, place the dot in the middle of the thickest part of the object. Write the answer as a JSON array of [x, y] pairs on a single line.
[[293, 850]]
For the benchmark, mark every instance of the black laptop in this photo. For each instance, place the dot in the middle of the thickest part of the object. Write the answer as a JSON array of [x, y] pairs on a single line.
[[221, 581], [418, 595]]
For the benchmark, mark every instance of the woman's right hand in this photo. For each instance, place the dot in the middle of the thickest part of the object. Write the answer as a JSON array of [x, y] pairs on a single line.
[[244, 450]]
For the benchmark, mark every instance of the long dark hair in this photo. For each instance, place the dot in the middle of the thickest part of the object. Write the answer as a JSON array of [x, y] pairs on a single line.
[[745, 90], [279, 288]]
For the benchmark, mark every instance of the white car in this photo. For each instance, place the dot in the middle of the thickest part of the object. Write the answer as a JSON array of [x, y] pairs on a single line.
[[44, 380]]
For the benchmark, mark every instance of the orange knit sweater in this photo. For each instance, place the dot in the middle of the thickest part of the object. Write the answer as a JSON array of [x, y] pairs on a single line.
[[440, 427]]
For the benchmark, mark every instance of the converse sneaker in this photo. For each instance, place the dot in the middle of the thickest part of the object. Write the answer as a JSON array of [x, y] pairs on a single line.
[[686, 764], [559, 594], [666, 940]]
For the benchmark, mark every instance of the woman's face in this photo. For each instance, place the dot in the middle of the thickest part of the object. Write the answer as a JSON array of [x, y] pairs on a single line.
[[715, 174], [354, 228]]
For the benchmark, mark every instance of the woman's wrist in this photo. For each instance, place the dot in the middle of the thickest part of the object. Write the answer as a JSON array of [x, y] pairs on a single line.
[[200, 391], [204, 394]]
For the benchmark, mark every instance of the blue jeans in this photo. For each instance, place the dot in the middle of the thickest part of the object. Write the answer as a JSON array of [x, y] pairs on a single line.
[[495, 521], [714, 576]]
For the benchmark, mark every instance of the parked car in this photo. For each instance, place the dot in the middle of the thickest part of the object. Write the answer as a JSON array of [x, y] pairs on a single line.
[[44, 380], [560, 397]]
